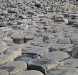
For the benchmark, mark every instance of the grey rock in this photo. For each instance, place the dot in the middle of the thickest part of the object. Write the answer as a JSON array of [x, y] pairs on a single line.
[[30, 72], [28, 37], [18, 38], [56, 55], [6, 29], [70, 22], [3, 72], [12, 10], [75, 24], [62, 40], [4, 12], [42, 64], [70, 63], [74, 39], [65, 20], [63, 71], [38, 4], [61, 47], [10, 54], [3, 48], [14, 67], [74, 52], [26, 57], [35, 50], [58, 18], [22, 16]]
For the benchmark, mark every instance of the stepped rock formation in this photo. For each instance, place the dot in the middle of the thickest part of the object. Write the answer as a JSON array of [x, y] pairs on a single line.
[[38, 37]]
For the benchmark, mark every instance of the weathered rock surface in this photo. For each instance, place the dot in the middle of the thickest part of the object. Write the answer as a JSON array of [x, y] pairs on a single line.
[[30, 72], [61, 47], [3, 72], [56, 55], [35, 50], [14, 67], [10, 54], [38, 35], [63, 71], [70, 63], [42, 64]]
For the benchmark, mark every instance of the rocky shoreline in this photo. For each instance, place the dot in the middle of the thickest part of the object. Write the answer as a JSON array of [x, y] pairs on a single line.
[[38, 37]]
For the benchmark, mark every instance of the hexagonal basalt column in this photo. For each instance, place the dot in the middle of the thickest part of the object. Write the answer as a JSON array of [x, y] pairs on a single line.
[[19, 39], [57, 55], [28, 37], [70, 63], [26, 57], [61, 47], [30, 72], [14, 67], [35, 50], [42, 64], [10, 54], [63, 71]]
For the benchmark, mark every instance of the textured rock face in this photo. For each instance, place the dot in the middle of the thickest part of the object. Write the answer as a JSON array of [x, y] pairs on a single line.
[[57, 55], [70, 63], [9, 54], [14, 67], [30, 72], [38, 37], [42, 64], [63, 71], [3, 72]]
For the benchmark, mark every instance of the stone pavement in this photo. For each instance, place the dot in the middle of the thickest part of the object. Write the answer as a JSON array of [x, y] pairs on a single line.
[[38, 37]]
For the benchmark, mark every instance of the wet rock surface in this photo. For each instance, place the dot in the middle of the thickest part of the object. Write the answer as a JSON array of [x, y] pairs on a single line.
[[38, 37]]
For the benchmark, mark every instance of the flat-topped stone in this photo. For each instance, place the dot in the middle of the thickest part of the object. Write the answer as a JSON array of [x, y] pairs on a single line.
[[10, 54], [62, 40], [26, 57], [18, 38], [74, 39], [71, 22], [63, 71], [28, 37], [6, 29], [3, 48], [59, 16], [61, 47], [30, 72], [70, 63], [56, 55], [14, 67], [42, 64], [35, 50], [3, 72], [74, 52]]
